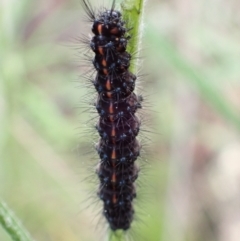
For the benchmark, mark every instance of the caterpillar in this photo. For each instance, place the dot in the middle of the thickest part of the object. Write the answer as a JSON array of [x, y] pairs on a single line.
[[118, 125]]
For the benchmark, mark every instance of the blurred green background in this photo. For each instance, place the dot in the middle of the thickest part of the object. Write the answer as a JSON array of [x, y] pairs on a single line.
[[190, 186]]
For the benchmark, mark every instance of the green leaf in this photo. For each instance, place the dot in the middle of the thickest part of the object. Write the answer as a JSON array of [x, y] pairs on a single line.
[[12, 225]]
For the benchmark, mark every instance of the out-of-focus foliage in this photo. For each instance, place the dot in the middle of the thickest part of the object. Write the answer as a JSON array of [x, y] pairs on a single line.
[[191, 182]]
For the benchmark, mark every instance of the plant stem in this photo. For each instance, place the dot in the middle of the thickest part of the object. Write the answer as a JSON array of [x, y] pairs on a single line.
[[132, 11], [116, 235], [12, 225]]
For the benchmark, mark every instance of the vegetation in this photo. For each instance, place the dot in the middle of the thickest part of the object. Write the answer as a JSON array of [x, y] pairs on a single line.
[[191, 61]]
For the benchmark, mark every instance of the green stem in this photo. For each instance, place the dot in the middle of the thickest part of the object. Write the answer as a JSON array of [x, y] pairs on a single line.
[[133, 14], [116, 236], [12, 225]]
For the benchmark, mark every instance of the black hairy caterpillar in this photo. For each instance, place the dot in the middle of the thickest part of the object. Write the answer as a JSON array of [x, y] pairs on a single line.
[[118, 125]]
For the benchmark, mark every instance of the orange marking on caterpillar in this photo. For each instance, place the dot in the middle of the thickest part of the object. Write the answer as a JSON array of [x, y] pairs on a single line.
[[113, 155], [113, 132], [111, 109], [114, 30], [100, 50], [105, 71], [109, 94], [108, 84], [114, 178], [99, 28], [114, 200], [111, 118], [104, 62]]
